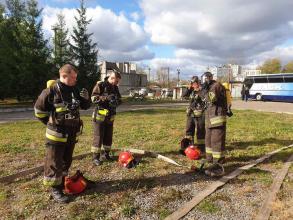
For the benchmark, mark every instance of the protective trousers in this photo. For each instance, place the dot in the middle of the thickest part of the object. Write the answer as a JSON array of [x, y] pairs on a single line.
[[103, 135], [215, 143], [58, 159], [198, 124]]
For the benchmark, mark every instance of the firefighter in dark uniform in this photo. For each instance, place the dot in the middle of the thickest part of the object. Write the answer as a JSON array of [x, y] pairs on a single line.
[[195, 116], [215, 121], [106, 97], [58, 108]]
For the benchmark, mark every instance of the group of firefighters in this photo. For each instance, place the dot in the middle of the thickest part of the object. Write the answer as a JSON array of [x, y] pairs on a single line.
[[58, 108]]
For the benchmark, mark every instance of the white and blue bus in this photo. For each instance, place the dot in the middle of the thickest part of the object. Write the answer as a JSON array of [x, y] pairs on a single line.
[[271, 87]]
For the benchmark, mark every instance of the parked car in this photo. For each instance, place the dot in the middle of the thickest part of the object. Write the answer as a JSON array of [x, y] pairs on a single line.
[[143, 91]]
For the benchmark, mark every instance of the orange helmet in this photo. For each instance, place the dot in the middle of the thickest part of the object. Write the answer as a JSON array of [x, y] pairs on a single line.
[[192, 152], [125, 158]]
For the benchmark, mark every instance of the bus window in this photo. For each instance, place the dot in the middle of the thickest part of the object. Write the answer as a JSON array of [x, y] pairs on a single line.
[[288, 78], [260, 80], [276, 79]]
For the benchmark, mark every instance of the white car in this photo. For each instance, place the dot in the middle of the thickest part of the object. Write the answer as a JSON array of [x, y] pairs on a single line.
[[143, 91]]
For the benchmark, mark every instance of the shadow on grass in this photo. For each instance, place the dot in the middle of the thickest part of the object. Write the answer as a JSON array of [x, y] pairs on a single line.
[[114, 186]]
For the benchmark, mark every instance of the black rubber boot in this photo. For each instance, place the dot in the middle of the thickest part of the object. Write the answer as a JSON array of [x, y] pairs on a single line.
[[58, 195], [216, 170], [108, 157], [96, 159]]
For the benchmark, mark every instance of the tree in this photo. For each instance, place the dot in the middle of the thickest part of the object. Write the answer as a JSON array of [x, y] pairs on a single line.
[[11, 47], [271, 66], [24, 54], [5, 80], [36, 61], [162, 77], [83, 50], [288, 68], [61, 51]]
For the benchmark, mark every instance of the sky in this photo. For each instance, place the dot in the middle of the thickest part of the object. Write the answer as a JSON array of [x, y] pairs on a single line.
[[187, 34]]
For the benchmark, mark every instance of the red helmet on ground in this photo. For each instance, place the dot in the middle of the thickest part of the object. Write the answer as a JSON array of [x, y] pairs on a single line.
[[192, 152], [125, 158], [75, 184]]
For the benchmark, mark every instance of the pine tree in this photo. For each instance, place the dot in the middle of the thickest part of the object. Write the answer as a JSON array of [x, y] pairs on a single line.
[[61, 43], [5, 81], [36, 61], [12, 43], [83, 50]]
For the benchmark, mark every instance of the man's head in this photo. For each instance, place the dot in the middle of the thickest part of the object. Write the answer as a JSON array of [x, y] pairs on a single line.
[[208, 77], [114, 78], [195, 82], [68, 75]]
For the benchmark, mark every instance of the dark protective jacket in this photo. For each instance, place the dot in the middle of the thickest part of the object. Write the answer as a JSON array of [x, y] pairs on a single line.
[[217, 105], [196, 104], [106, 97], [58, 107]]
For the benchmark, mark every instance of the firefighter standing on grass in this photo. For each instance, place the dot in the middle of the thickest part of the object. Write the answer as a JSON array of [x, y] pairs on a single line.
[[106, 97], [58, 108], [195, 116], [215, 121]]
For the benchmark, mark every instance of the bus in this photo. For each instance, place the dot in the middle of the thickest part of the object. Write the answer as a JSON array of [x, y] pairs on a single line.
[[270, 87]]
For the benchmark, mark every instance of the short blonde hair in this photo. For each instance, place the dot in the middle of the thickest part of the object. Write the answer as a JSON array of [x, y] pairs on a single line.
[[67, 68], [116, 74]]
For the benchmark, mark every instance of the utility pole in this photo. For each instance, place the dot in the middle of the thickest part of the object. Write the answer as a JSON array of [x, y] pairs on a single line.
[[178, 72], [168, 69], [55, 41], [149, 74]]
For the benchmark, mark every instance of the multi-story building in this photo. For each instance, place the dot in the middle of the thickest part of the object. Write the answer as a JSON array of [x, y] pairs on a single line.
[[130, 79]]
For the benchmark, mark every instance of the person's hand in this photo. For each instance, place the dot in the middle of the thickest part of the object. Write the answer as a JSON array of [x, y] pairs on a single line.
[[84, 94], [110, 97]]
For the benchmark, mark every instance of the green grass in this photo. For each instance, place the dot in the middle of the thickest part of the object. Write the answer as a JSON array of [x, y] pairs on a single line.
[[249, 135], [208, 206]]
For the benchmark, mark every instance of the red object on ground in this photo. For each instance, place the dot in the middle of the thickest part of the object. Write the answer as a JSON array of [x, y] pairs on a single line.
[[75, 184], [125, 158], [192, 152]]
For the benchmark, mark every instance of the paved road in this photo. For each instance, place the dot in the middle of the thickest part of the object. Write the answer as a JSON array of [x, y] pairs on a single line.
[[29, 114], [278, 107]]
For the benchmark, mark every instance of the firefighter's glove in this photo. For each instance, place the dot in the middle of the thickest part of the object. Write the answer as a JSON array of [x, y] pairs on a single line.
[[84, 94], [111, 97]]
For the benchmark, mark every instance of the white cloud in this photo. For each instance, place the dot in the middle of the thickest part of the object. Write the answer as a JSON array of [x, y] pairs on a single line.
[[115, 34], [221, 30], [135, 16], [188, 67], [285, 54]]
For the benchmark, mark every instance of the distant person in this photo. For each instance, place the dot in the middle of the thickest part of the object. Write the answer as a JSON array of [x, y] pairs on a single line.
[[246, 93], [243, 93]]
